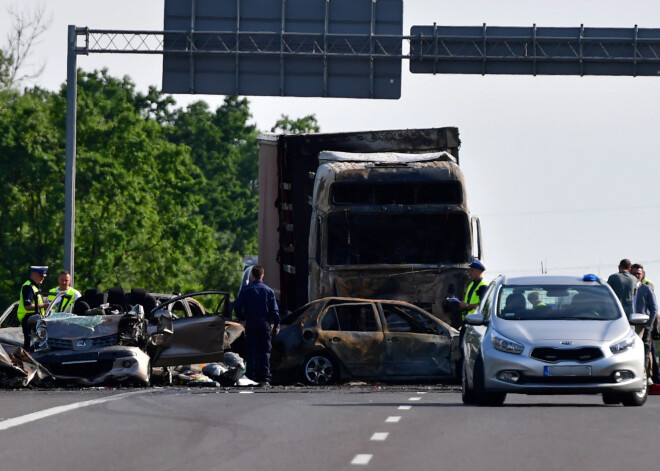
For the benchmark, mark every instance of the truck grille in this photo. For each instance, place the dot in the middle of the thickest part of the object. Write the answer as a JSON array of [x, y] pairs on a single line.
[[554, 355]]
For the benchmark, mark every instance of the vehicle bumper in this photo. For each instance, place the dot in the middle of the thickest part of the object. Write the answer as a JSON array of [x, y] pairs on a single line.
[[538, 377], [106, 365]]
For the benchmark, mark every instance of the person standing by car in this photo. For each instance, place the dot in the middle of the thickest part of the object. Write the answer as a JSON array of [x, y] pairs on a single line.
[[257, 307], [31, 302], [623, 284], [476, 289], [64, 286], [646, 303]]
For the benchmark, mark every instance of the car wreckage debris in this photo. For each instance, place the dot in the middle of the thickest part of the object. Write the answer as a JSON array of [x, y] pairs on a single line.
[[18, 369]]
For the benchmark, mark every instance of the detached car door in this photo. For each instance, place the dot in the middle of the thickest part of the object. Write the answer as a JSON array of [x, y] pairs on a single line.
[[415, 343], [352, 332], [197, 336]]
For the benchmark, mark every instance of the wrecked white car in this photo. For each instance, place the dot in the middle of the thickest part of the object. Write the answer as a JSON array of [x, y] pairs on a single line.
[[123, 342]]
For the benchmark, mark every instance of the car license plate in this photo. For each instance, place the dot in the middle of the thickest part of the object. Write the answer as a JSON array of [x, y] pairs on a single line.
[[566, 371]]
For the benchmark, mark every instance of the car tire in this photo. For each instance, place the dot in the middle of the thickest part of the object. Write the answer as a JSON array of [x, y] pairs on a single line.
[[611, 398], [493, 399], [468, 394], [483, 398], [320, 370], [636, 399]]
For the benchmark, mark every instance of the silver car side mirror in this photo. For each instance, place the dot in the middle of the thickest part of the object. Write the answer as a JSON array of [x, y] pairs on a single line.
[[475, 319]]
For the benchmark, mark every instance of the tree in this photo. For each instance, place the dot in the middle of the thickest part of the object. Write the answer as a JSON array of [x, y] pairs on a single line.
[[224, 147], [304, 125], [27, 27]]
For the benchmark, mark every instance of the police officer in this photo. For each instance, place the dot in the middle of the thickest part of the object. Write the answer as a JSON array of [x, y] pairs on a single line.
[[64, 286], [476, 289], [31, 302], [256, 305]]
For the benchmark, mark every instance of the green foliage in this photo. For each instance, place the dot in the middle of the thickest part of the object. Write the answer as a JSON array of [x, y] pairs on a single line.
[[304, 125]]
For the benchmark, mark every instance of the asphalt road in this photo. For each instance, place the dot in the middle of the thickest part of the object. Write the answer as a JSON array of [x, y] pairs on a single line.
[[343, 428]]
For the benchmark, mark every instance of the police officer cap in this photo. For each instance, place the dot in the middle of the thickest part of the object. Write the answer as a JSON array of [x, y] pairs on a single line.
[[477, 264], [39, 269]]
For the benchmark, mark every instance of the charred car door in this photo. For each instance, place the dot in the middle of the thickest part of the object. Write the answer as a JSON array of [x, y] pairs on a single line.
[[352, 332], [416, 345], [197, 335]]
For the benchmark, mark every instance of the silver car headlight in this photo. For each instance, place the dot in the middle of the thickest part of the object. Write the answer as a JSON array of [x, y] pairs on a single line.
[[625, 344], [504, 344]]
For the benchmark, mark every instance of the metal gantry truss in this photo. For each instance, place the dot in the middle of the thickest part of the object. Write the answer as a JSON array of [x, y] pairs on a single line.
[[430, 49]]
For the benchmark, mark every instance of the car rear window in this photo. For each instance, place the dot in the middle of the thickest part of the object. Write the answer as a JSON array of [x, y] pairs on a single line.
[[552, 302]]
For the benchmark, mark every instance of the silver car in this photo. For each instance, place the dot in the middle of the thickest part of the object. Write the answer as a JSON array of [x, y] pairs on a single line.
[[552, 335]]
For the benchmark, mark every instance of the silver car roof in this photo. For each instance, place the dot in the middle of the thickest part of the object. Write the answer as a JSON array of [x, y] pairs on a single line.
[[549, 280]]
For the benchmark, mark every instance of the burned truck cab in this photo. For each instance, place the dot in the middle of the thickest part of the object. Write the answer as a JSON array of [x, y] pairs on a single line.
[[390, 226]]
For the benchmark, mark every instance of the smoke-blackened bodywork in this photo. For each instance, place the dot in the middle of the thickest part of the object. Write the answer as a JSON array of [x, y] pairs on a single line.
[[334, 339], [390, 226]]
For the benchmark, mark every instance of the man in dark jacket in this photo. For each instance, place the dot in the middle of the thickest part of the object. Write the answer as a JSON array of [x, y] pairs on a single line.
[[257, 307]]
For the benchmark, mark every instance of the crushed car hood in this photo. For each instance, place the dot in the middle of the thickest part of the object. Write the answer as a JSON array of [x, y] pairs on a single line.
[[70, 326]]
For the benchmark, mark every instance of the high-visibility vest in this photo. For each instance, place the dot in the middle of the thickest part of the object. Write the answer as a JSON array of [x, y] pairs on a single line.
[[64, 302], [472, 294], [37, 300]]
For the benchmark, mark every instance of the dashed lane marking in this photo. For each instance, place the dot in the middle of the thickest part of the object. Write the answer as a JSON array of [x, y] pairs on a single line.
[[362, 459], [380, 436], [393, 419], [415, 399], [405, 407], [24, 419]]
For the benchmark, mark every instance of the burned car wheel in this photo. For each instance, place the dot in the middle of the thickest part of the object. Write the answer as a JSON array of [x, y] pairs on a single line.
[[320, 370]]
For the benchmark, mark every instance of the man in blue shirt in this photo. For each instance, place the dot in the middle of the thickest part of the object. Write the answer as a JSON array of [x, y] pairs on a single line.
[[257, 307]]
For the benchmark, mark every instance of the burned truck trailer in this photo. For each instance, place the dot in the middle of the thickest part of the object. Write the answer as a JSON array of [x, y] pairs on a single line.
[[377, 214]]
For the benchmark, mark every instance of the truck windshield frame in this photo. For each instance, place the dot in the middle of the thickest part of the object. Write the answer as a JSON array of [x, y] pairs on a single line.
[[397, 238]]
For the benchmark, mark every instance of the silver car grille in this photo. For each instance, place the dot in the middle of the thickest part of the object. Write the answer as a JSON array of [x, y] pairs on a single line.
[[82, 344], [555, 355]]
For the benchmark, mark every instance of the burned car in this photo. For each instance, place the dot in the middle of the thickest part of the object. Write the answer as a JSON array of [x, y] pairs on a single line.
[[123, 342], [334, 339]]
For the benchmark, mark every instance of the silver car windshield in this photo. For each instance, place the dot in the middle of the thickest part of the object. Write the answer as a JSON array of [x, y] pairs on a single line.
[[552, 302]]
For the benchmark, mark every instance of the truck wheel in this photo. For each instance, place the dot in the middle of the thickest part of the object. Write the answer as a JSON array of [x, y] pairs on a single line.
[[320, 369]]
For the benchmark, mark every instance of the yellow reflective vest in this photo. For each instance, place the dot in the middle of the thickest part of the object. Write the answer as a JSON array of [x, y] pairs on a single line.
[[64, 302], [472, 296], [37, 300]]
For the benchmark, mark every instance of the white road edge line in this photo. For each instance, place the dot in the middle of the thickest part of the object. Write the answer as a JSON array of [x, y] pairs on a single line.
[[24, 419], [362, 459], [393, 419], [380, 436]]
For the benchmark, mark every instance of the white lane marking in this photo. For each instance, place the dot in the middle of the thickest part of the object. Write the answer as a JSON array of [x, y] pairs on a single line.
[[393, 419], [245, 392], [405, 407], [24, 419], [421, 392], [362, 459], [379, 436], [415, 399]]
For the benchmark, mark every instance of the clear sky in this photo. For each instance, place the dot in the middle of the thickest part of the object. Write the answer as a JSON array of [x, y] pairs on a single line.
[[561, 170]]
